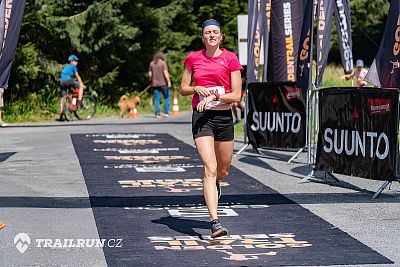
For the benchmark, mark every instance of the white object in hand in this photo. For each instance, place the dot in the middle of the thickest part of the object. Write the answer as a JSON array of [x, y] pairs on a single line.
[[220, 90]]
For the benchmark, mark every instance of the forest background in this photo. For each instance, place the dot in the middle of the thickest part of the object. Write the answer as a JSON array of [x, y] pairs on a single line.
[[116, 39]]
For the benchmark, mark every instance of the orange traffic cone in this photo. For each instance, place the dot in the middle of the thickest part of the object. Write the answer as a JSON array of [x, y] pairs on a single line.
[[175, 106], [133, 114]]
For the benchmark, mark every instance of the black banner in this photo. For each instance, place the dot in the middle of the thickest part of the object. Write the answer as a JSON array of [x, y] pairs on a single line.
[[286, 21], [303, 77], [266, 9], [324, 12], [11, 13], [358, 132], [277, 115], [385, 69], [254, 30], [343, 26]]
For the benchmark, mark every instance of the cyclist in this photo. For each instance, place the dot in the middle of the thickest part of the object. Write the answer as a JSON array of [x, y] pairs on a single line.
[[67, 81]]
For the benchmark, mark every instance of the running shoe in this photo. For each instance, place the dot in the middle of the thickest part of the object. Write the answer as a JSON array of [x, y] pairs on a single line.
[[2, 225], [217, 230], [165, 115], [219, 191]]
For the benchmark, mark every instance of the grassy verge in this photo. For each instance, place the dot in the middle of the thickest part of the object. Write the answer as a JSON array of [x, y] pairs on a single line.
[[239, 129], [40, 108], [35, 108]]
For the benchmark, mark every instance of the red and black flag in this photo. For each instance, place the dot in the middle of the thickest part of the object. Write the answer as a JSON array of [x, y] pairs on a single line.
[[11, 13], [286, 22], [254, 33], [324, 14], [385, 69], [303, 73]]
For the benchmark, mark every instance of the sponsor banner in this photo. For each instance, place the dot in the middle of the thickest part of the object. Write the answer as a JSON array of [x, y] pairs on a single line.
[[324, 13], [303, 73], [385, 69], [276, 117], [358, 132], [11, 13], [286, 23], [266, 19], [343, 26], [254, 33]]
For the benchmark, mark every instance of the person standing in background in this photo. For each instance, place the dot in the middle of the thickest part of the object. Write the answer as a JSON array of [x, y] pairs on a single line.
[[160, 82], [360, 72]]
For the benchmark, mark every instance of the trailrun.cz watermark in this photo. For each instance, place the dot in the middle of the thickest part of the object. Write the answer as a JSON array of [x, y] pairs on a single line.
[[22, 242]]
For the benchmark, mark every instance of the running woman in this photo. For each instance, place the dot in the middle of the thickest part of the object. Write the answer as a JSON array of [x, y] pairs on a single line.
[[217, 83]]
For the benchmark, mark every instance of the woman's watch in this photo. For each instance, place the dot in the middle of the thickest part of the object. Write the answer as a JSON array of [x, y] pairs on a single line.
[[216, 96]]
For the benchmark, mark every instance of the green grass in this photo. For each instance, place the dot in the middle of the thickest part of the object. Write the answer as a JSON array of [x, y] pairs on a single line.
[[37, 108], [239, 132]]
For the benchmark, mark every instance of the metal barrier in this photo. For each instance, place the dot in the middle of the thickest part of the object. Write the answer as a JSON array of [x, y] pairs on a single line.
[[387, 105]]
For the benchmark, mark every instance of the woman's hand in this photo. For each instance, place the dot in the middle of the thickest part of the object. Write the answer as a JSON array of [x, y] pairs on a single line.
[[203, 103], [201, 90]]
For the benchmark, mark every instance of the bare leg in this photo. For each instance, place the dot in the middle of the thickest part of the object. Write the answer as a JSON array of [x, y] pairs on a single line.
[[61, 106], [205, 147], [80, 93], [223, 152]]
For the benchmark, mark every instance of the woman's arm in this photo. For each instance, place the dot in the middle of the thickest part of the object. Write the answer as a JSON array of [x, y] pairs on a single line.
[[235, 94], [188, 89]]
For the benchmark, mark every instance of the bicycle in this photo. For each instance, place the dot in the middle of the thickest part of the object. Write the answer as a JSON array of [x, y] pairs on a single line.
[[82, 111]]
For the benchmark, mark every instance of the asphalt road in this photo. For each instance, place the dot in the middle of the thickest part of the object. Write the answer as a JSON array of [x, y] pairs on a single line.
[[43, 193]]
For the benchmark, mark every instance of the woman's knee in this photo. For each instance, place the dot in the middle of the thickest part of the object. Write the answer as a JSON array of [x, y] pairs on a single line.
[[223, 173], [210, 173]]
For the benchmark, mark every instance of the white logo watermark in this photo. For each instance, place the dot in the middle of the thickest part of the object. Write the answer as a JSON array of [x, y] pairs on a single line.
[[22, 241]]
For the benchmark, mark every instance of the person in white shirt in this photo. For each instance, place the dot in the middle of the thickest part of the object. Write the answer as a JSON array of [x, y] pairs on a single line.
[[360, 72]]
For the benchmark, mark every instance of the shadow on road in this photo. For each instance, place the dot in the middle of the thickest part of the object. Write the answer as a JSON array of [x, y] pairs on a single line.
[[244, 199], [5, 155], [184, 226]]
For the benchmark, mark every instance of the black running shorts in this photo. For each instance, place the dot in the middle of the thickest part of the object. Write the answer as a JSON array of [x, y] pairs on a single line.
[[216, 123], [66, 84]]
